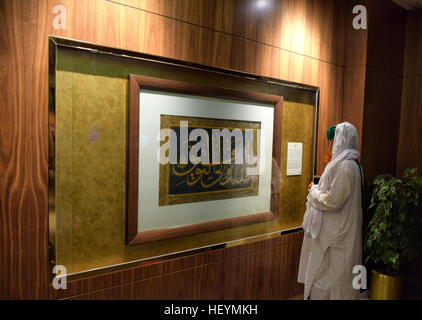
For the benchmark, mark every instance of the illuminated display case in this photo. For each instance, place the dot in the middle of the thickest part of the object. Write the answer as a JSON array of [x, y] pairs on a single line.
[[125, 187]]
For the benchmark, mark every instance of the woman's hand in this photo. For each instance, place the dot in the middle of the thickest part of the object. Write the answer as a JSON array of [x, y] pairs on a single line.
[[310, 186]]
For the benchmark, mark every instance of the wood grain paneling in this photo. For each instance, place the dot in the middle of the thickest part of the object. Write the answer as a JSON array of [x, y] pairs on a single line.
[[355, 70], [356, 41], [229, 273], [410, 140], [354, 97], [383, 83], [23, 160], [300, 41], [409, 154], [413, 51], [306, 27]]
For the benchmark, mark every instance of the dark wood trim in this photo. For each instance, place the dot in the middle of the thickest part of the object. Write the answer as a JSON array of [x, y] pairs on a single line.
[[168, 233], [202, 90], [278, 117], [72, 43], [133, 163], [136, 83]]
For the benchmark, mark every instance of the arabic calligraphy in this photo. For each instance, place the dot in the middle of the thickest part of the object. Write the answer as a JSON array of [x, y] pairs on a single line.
[[188, 178], [192, 181]]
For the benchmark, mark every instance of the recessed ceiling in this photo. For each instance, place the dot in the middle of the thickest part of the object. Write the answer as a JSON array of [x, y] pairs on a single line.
[[409, 4]]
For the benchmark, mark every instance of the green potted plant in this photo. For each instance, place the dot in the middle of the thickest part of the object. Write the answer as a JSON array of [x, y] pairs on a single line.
[[392, 237]]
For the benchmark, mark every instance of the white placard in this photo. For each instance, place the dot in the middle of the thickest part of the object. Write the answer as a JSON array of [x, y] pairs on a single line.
[[294, 158]]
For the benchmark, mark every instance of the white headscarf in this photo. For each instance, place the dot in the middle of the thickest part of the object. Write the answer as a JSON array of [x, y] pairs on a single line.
[[345, 147]]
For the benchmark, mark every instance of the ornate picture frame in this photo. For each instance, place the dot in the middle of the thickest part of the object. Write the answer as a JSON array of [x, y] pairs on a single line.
[[138, 83]]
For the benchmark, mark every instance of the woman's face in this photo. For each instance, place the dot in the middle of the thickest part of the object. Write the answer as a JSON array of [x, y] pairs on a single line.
[[328, 155]]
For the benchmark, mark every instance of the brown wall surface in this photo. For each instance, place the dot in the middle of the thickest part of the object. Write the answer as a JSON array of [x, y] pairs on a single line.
[[354, 70], [409, 153], [391, 78], [297, 40], [383, 82], [410, 141]]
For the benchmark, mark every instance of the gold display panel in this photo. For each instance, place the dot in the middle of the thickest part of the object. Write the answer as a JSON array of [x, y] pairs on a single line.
[[88, 155]]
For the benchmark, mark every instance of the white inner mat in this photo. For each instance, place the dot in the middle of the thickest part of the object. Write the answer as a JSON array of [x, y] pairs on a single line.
[[155, 103]]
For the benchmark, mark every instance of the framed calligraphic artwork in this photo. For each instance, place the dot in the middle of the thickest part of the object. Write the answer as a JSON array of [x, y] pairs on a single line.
[[200, 158], [184, 183]]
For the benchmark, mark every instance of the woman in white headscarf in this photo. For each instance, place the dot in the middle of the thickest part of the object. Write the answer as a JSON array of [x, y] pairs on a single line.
[[332, 244]]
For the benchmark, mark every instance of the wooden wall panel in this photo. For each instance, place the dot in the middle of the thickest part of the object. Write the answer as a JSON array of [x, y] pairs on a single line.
[[355, 70], [410, 140], [410, 143], [383, 83], [413, 51], [312, 28], [23, 160], [354, 97], [306, 46], [230, 273], [409, 154]]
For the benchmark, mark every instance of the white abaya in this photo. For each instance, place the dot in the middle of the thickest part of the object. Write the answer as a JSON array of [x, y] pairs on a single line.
[[326, 263]]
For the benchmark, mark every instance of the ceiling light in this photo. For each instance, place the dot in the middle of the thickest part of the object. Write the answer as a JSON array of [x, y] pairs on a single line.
[[261, 4]]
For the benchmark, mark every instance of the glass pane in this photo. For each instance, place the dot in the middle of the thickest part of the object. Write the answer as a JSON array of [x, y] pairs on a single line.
[[92, 100]]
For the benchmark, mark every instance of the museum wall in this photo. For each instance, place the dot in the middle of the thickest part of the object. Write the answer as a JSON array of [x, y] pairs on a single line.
[[410, 138], [356, 43], [383, 83], [300, 40], [373, 84], [382, 86]]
